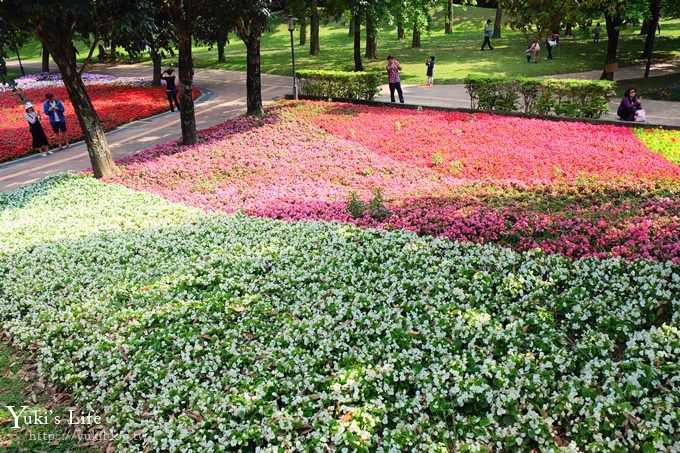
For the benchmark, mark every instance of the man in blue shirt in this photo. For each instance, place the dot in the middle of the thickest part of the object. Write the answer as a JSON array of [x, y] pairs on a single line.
[[54, 109], [488, 31]]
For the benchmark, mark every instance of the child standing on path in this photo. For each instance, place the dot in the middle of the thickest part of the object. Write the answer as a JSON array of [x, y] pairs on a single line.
[[393, 67], [54, 109], [430, 71], [40, 142], [597, 30], [488, 31]]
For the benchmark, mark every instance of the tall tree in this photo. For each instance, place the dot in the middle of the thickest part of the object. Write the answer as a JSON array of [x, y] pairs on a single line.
[[182, 15], [498, 23], [448, 20], [250, 21], [315, 26]]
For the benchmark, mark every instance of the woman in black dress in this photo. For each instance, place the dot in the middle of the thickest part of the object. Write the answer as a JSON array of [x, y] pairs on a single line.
[[40, 142]]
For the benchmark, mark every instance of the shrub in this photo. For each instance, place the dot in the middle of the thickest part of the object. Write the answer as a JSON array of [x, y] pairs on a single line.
[[339, 84], [561, 97]]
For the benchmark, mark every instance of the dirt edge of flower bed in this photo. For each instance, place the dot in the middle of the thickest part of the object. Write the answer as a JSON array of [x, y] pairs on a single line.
[[36, 384]]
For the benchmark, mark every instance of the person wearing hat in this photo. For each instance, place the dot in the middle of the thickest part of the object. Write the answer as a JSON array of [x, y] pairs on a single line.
[[40, 142], [54, 109]]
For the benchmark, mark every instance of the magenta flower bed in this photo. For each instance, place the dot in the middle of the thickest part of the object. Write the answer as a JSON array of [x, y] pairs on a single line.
[[592, 191]]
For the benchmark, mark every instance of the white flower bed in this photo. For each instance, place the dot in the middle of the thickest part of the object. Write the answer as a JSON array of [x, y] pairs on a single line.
[[198, 332]]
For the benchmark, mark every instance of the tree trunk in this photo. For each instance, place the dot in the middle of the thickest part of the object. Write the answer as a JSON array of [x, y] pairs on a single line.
[[612, 24], [253, 74], [401, 33], [644, 28], [221, 44], [655, 9], [303, 32], [314, 45], [358, 65], [448, 25], [53, 38], [157, 62], [45, 59], [21, 66], [371, 38], [186, 75], [498, 23], [415, 41], [113, 55]]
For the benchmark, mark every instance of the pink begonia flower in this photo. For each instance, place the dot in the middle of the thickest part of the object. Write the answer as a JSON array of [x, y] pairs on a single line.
[[575, 189]]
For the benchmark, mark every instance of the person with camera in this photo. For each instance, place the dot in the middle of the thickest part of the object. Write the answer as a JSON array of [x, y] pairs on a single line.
[[630, 108], [393, 67], [171, 89]]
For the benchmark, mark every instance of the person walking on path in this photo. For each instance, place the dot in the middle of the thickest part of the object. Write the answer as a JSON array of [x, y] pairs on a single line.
[[40, 142], [171, 89], [550, 43], [488, 31], [597, 30], [630, 104], [54, 109], [393, 67], [430, 71]]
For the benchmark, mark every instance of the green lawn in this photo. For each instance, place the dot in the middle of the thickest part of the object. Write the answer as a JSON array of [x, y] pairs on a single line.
[[457, 54]]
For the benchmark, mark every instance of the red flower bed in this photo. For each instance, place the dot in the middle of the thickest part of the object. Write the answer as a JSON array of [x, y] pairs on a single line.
[[115, 105], [486, 147]]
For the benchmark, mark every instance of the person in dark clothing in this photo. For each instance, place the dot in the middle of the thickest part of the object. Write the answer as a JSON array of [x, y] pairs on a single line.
[[629, 106], [39, 139], [488, 31], [171, 89], [552, 41], [430, 71], [393, 67]]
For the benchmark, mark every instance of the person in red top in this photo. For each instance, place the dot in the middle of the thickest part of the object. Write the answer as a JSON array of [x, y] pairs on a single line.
[[393, 67]]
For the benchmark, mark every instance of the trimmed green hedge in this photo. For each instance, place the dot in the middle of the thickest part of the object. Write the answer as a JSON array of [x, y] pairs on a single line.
[[339, 84], [561, 97]]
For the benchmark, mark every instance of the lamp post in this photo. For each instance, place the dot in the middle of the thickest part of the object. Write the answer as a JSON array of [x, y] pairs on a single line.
[[291, 29]]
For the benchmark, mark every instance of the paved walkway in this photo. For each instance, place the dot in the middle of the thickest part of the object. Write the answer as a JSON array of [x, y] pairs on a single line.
[[661, 113], [225, 98]]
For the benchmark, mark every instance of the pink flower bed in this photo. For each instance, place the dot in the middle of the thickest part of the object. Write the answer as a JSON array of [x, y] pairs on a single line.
[[288, 166], [482, 147]]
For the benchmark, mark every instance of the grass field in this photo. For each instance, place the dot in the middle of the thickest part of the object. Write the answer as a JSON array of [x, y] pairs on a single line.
[[457, 54]]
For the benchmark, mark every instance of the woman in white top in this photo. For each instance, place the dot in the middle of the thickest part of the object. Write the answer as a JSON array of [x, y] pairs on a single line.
[[40, 142]]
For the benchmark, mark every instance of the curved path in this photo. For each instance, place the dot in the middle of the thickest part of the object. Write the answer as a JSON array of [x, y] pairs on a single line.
[[224, 98]]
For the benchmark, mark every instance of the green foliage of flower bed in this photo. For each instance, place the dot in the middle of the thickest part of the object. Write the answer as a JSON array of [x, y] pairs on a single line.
[[561, 97], [198, 331], [664, 142], [339, 84]]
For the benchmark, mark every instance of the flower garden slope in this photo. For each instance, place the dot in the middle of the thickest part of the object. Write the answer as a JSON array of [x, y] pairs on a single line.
[[208, 332], [441, 174]]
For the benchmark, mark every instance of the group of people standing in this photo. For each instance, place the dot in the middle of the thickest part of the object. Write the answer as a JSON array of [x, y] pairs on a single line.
[[54, 110]]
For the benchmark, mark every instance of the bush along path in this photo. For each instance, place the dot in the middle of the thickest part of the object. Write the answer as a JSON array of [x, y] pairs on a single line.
[[198, 332]]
